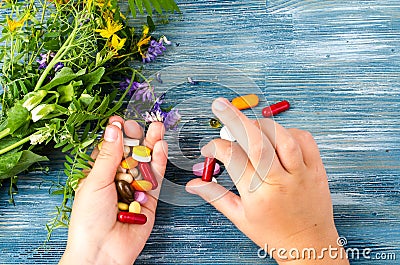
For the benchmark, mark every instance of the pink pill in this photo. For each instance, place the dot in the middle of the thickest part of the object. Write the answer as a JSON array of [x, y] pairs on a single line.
[[140, 197], [198, 169]]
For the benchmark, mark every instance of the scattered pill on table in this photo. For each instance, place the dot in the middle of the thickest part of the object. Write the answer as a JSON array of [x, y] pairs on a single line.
[[209, 165], [129, 163], [199, 167], [275, 109], [134, 207], [215, 123], [225, 134], [245, 102], [132, 218], [214, 179], [147, 174]]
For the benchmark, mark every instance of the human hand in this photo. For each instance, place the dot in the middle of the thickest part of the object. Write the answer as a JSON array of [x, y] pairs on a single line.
[[284, 195], [95, 236]]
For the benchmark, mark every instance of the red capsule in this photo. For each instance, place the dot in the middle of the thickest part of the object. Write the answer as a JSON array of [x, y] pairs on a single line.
[[208, 171], [132, 218], [148, 174], [275, 109]]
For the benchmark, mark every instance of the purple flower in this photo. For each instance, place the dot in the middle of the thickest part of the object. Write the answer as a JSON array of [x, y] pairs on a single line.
[[144, 92], [172, 119], [58, 66], [155, 49], [45, 59], [124, 84]]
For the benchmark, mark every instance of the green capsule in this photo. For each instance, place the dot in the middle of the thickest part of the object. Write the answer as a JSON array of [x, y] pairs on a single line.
[[215, 123]]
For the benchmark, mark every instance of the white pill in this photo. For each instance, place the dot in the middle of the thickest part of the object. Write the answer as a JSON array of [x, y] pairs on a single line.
[[214, 180], [226, 134], [134, 172], [144, 159], [124, 176], [131, 142], [127, 150]]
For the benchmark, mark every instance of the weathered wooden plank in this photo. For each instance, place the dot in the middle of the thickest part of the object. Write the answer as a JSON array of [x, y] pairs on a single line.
[[337, 62]]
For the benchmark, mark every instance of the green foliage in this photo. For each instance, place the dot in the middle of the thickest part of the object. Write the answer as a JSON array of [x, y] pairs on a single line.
[[147, 6]]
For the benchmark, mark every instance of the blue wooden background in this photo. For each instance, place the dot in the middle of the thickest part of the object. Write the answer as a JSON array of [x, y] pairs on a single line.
[[337, 62]]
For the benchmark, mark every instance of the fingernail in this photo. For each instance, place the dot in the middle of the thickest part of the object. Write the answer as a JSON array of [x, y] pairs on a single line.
[[118, 124], [111, 134], [220, 104]]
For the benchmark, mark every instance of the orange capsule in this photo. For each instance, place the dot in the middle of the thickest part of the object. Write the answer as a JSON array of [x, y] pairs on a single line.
[[129, 163], [245, 102], [142, 185]]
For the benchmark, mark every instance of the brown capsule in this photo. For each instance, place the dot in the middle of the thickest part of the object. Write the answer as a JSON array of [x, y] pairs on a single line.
[[125, 191]]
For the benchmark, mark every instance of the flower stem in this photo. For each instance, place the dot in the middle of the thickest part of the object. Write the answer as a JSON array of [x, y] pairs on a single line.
[[4, 133], [11, 147], [61, 52]]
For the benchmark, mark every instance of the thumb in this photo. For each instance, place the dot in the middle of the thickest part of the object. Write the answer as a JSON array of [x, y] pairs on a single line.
[[225, 201], [108, 159]]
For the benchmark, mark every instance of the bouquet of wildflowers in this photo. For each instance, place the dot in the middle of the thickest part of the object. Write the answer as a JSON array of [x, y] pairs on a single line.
[[66, 68]]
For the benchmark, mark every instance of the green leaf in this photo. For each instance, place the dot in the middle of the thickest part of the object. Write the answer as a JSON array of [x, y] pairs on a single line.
[[139, 4], [148, 7], [17, 116], [93, 78], [67, 92], [132, 7], [157, 6], [12, 164], [150, 22], [65, 75]]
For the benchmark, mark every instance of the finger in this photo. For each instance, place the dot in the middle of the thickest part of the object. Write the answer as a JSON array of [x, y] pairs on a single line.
[[154, 134], [225, 201], [286, 146], [235, 161], [308, 146], [159, 164], [115, 118], [108, 159], [133, 130], [259, 149]]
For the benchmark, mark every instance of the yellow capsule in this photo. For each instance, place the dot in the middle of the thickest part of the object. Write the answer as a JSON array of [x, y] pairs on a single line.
[[129, 163], [100, 145], [245, 102], [142, 185], [135, 207], [123, 206]]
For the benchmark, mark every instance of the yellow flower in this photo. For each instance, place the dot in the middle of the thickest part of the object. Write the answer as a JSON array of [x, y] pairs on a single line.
[[13, 25], [112, 28], [117, 43], [143, 40]]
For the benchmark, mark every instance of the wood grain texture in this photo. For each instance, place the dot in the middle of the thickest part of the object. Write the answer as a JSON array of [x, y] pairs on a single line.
[[337, 62]]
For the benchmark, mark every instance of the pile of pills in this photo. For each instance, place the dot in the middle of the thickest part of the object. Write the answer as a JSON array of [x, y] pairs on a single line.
[[133, 180]]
